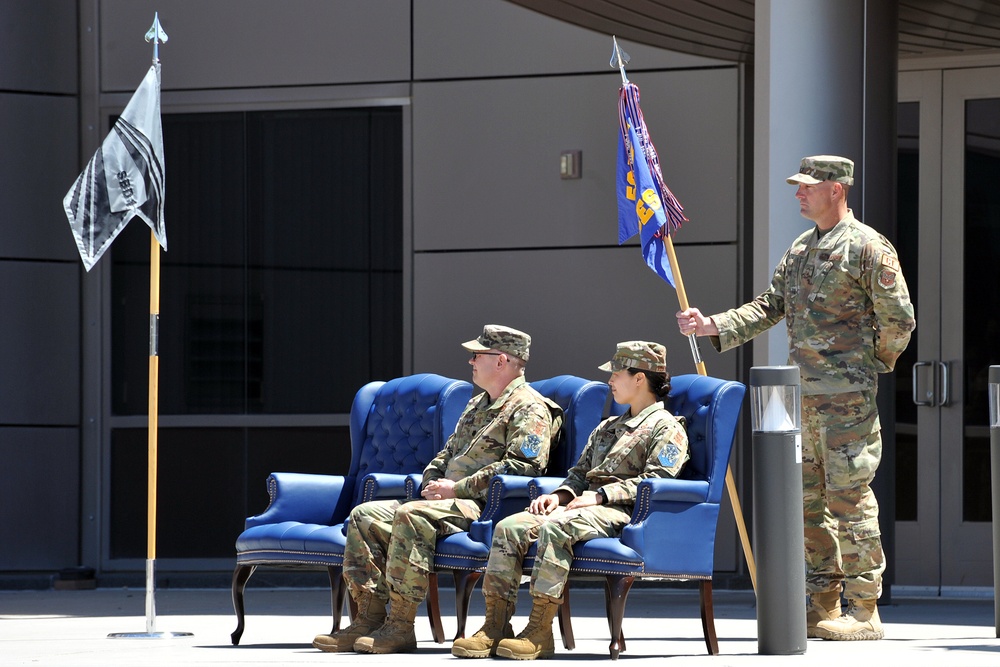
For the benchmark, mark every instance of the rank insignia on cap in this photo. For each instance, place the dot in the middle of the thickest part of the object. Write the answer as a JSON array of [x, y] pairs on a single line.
[[531, 446]]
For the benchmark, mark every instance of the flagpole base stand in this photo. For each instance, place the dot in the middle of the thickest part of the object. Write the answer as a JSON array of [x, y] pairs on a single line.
[[148, 635]]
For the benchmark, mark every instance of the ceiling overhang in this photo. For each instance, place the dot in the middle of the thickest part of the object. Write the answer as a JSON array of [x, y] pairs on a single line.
[[723, 29]]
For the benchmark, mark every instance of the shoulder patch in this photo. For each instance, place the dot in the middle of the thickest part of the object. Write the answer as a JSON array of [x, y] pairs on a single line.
[[886, 278], [531, 446], [668, 455]]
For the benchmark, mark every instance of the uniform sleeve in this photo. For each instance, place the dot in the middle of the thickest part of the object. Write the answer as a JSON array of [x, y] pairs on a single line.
[[435, 469], [894, 319], [738, 325], [529, 434], [576, 477], [666, 454], [439, 464]]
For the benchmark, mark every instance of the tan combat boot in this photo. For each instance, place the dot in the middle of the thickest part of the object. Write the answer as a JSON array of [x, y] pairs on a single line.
[[861, 622], [823, 606], [536, 640], [497, 626], [397, 634], [370, 617]]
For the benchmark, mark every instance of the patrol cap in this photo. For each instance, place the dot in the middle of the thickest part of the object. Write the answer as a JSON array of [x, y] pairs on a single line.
[[638, 354], [503, 339], [819, 168]]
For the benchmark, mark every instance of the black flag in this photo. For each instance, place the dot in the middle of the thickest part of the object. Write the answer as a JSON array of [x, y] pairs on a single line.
[[124, 178]]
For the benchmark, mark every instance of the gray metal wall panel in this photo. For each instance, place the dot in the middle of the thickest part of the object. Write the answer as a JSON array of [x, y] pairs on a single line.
[[486, 158], [256, 43], [42, 136], [40, 514], [38, 46], [462, 39], [575, 303], [40, 343]]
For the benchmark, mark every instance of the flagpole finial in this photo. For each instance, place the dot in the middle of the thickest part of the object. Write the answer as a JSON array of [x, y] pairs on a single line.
[[156, 35], [619, 58]]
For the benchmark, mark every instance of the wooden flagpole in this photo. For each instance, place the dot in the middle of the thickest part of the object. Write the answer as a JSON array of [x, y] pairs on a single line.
[[154, 395], [734, 497], [155, 35], [618, 59]]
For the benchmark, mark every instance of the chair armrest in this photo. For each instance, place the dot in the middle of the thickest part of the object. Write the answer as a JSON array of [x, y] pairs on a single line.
[[673, 526], [305, 498], [414, 481], [508, 494], [676, 490], [539, 486], [383, 485]]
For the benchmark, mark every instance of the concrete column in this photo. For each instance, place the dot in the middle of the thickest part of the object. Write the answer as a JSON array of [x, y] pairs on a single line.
[[825, 83]]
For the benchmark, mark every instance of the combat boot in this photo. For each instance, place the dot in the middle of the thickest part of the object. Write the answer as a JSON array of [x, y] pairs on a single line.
[[861, 622], [823, 606], [397, 634], [370, 617], [483, 644], [536, 640]]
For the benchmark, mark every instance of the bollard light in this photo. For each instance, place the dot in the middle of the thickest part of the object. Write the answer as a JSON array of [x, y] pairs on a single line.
[[779, 542], [776, 406], [994, 395]]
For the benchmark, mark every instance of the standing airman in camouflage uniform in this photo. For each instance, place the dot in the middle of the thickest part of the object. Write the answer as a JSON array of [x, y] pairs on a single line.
[[389, 553], [849, 317], [595, 500]]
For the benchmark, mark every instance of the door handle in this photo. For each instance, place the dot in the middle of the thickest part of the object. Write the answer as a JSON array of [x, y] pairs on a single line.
[[930, 393], [945, 398]]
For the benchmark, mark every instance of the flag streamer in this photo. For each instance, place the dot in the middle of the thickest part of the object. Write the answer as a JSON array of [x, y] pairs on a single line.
[[630, 116]]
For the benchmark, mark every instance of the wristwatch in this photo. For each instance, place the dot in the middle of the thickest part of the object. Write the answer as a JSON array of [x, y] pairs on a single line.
[[604, 495]]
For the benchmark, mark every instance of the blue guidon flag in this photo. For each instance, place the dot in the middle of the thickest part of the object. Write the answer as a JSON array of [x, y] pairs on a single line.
[[124, 179], [646, 206]]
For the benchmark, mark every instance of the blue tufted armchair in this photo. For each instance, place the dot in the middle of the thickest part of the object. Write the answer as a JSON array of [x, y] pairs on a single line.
[[397, 427], [671, 535], [465, 554]]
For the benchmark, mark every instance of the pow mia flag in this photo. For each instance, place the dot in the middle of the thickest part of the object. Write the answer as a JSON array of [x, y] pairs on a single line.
[[124, 178]]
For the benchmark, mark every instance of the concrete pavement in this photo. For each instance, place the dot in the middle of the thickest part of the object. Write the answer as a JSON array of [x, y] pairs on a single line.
[[70, 628]]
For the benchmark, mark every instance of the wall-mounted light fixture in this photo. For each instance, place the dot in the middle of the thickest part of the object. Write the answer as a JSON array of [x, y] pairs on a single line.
[[570, 163]]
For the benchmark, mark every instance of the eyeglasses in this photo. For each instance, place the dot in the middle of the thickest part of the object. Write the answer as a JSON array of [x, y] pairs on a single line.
[[488, 354]]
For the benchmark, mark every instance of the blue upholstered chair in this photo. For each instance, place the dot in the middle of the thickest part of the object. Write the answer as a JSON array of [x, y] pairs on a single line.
[[672, 532], [465, 554], [397, 427]]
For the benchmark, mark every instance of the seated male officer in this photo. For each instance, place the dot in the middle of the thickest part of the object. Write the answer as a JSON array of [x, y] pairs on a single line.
[[507, 429]]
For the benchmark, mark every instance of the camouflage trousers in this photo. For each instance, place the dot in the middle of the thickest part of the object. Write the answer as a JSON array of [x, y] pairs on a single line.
[[390, 543], [841, 450], [555, 534]]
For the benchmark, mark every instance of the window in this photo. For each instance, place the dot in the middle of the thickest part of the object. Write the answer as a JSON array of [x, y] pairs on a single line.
[[280, 293]]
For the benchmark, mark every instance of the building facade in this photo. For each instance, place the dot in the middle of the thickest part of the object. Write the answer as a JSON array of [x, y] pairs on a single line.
[[355, 188]]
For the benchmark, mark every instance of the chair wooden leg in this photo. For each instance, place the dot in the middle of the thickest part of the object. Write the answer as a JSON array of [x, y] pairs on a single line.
[[434, 608], [609, 595], [566, 621], [240, 576], [337, 592], [708, 617], [617, 588], [465, 583]]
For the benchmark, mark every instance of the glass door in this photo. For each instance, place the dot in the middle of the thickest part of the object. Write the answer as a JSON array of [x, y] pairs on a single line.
[[949, 244]]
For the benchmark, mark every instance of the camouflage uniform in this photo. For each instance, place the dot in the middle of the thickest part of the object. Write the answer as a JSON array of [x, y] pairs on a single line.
[[849, 317], [620, 453], [390, 544]]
